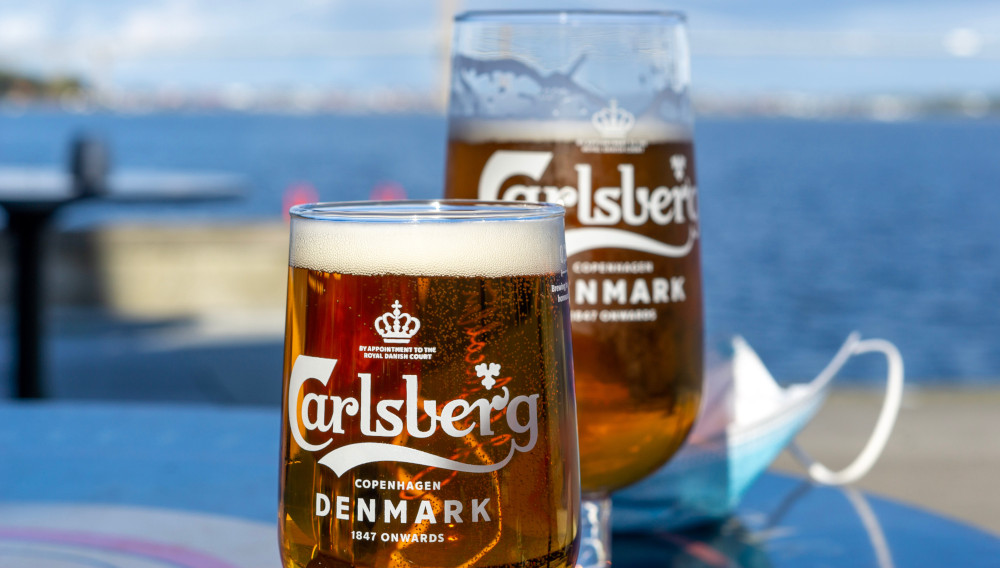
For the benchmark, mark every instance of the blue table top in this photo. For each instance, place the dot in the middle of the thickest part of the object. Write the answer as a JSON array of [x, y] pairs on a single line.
[[223, 462]]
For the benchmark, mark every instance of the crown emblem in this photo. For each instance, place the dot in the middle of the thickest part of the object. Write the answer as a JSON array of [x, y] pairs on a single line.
[[613, 122], [395, 327]]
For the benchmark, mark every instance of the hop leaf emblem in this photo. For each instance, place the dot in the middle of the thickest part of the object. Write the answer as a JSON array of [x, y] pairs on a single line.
[[487, 372], [678, 163]]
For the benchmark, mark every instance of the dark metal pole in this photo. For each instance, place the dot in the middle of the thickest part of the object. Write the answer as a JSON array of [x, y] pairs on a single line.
[[89, 165], [27, 227]]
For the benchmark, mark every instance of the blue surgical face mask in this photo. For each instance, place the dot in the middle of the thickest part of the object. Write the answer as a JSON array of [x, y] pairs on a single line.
[[746, 420]]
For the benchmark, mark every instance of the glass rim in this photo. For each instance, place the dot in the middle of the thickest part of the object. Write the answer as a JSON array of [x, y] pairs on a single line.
[[427, 210], [572, 16]]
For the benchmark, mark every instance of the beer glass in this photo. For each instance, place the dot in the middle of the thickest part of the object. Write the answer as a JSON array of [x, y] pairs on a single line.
[[429, 414], [591, 110]]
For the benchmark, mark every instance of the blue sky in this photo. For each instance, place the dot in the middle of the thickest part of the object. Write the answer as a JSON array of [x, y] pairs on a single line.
[[739, 47]]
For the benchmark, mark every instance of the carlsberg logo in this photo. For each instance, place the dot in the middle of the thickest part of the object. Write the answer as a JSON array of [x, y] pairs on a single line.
[[604, 206], [389, 418]]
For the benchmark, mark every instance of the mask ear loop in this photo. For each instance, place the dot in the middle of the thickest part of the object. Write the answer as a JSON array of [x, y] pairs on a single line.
[[886, 418]]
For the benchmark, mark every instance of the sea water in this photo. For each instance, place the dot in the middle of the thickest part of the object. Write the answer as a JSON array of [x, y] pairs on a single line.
[[811, 229]]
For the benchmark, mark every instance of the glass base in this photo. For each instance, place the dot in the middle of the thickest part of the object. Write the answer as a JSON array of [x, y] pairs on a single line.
[[595, 531]]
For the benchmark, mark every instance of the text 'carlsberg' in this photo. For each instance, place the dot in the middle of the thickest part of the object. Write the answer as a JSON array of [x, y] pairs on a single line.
[[389, 418], [603, 206]]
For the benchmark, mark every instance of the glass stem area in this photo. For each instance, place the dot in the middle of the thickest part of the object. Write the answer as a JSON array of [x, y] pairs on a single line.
[[595, 531]]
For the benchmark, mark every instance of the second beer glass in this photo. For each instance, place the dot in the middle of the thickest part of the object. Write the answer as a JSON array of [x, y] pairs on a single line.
[[590, 110]]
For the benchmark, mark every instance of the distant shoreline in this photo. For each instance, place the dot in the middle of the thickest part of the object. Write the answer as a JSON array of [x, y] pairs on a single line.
[[877, 107]]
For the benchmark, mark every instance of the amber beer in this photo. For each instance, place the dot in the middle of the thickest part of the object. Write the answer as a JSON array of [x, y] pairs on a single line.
[[428, 411], [634, 270]]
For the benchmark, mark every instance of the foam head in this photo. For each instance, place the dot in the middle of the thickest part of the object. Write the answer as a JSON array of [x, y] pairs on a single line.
[[438, 238], [482, 130]]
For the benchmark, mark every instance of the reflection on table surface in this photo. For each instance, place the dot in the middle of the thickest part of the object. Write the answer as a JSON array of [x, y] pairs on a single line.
[[139, 485], [102, 536], [788, 522]]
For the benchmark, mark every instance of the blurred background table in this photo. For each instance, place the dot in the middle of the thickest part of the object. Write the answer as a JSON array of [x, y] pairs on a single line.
[[131, 486], [32, 196]]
